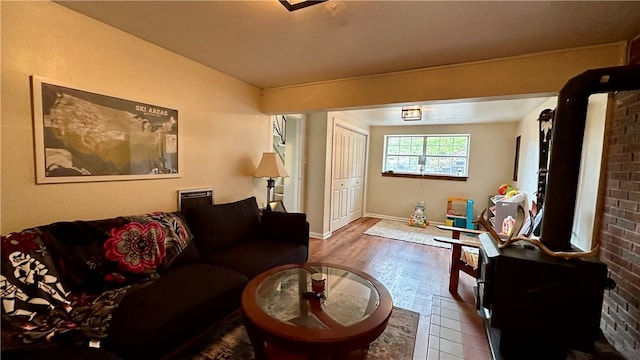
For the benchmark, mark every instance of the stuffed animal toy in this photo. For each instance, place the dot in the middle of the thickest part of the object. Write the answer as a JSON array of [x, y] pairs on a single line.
[[418, 218], [511, 193], [504, 188]]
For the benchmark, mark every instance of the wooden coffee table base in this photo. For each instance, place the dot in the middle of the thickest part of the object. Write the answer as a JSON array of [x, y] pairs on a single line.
[[265, 349], [317, 335]]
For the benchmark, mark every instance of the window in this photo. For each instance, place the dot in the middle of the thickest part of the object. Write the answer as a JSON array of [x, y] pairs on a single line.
[[427, 154]]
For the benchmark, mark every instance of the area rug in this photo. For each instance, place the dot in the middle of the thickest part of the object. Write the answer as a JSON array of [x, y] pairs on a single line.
[[230, 341], [398, 230]]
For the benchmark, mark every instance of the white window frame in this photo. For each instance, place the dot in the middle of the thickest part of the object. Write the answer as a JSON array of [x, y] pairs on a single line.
[[409, 163]]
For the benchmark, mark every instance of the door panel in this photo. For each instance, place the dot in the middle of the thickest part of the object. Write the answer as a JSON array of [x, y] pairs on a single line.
[[348, 176], [340, 177], [356, 180]]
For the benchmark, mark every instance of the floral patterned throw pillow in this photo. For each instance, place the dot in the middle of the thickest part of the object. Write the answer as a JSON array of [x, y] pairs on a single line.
[[106, 254]]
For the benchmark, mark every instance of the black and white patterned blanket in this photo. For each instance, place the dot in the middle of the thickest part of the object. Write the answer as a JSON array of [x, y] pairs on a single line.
[[62, 282]]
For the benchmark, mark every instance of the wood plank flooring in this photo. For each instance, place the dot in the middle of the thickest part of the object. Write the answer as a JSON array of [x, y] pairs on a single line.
[[412, 273]]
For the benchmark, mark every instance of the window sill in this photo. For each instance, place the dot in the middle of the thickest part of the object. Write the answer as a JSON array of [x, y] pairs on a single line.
[[432, 177]]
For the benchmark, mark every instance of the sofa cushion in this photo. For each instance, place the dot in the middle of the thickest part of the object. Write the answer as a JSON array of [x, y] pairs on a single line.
[[61, 351], [189, 255], [253, 257], [287, 227], [223, 225], [158, 318]]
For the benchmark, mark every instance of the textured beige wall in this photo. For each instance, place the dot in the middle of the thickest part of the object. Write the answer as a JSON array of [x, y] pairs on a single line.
[[540, 73], [587, 194], [320, 128], [316, 165], [222, 134], [529, 151], [490, 164], [583, 229]]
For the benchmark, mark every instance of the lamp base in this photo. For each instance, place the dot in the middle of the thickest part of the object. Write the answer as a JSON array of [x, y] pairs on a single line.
[[270, 184]]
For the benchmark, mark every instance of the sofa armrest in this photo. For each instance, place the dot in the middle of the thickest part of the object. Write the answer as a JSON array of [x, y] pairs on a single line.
[[288, 227]]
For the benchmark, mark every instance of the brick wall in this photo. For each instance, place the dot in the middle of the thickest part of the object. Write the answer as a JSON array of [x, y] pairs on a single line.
[[620, 230]]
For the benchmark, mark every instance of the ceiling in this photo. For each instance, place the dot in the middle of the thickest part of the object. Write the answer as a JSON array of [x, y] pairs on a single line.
[[262, 43], [453, 112]]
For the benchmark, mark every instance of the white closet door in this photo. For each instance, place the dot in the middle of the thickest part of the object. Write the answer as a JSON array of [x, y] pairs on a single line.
[[347, 177], [356, 176]]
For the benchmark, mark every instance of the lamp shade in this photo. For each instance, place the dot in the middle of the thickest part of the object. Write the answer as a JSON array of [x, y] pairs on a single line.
[[270, 166]]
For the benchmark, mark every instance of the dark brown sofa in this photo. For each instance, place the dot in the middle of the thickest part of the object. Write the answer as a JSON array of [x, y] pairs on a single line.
[[210, 254]]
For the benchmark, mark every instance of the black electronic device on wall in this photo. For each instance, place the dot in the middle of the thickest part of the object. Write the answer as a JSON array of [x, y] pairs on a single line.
[[194, 197]]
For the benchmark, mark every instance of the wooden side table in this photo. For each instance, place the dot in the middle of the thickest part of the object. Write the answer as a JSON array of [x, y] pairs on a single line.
[[457, 262]]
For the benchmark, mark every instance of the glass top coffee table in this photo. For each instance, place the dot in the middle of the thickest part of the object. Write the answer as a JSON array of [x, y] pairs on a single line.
[[281, 312]]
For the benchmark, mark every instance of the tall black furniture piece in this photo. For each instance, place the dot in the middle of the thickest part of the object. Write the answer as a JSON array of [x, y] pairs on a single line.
[[538, 306]]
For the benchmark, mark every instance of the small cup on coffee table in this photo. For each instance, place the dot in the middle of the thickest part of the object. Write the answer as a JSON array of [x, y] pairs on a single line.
[[318, 282]]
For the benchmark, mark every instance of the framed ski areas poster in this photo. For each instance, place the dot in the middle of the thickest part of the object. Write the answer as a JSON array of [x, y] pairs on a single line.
[[85, 136]]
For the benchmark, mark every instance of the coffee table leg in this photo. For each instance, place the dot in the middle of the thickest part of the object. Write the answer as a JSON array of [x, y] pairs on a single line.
[[359, 354], [365, 352], [259, 346]]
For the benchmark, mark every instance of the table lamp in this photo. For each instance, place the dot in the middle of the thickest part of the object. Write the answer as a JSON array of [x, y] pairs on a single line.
[[270, 167]]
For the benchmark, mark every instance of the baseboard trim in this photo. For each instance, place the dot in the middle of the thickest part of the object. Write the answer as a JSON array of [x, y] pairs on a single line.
[[326, 235], [386, 217], [320, 236], [396, 218]]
